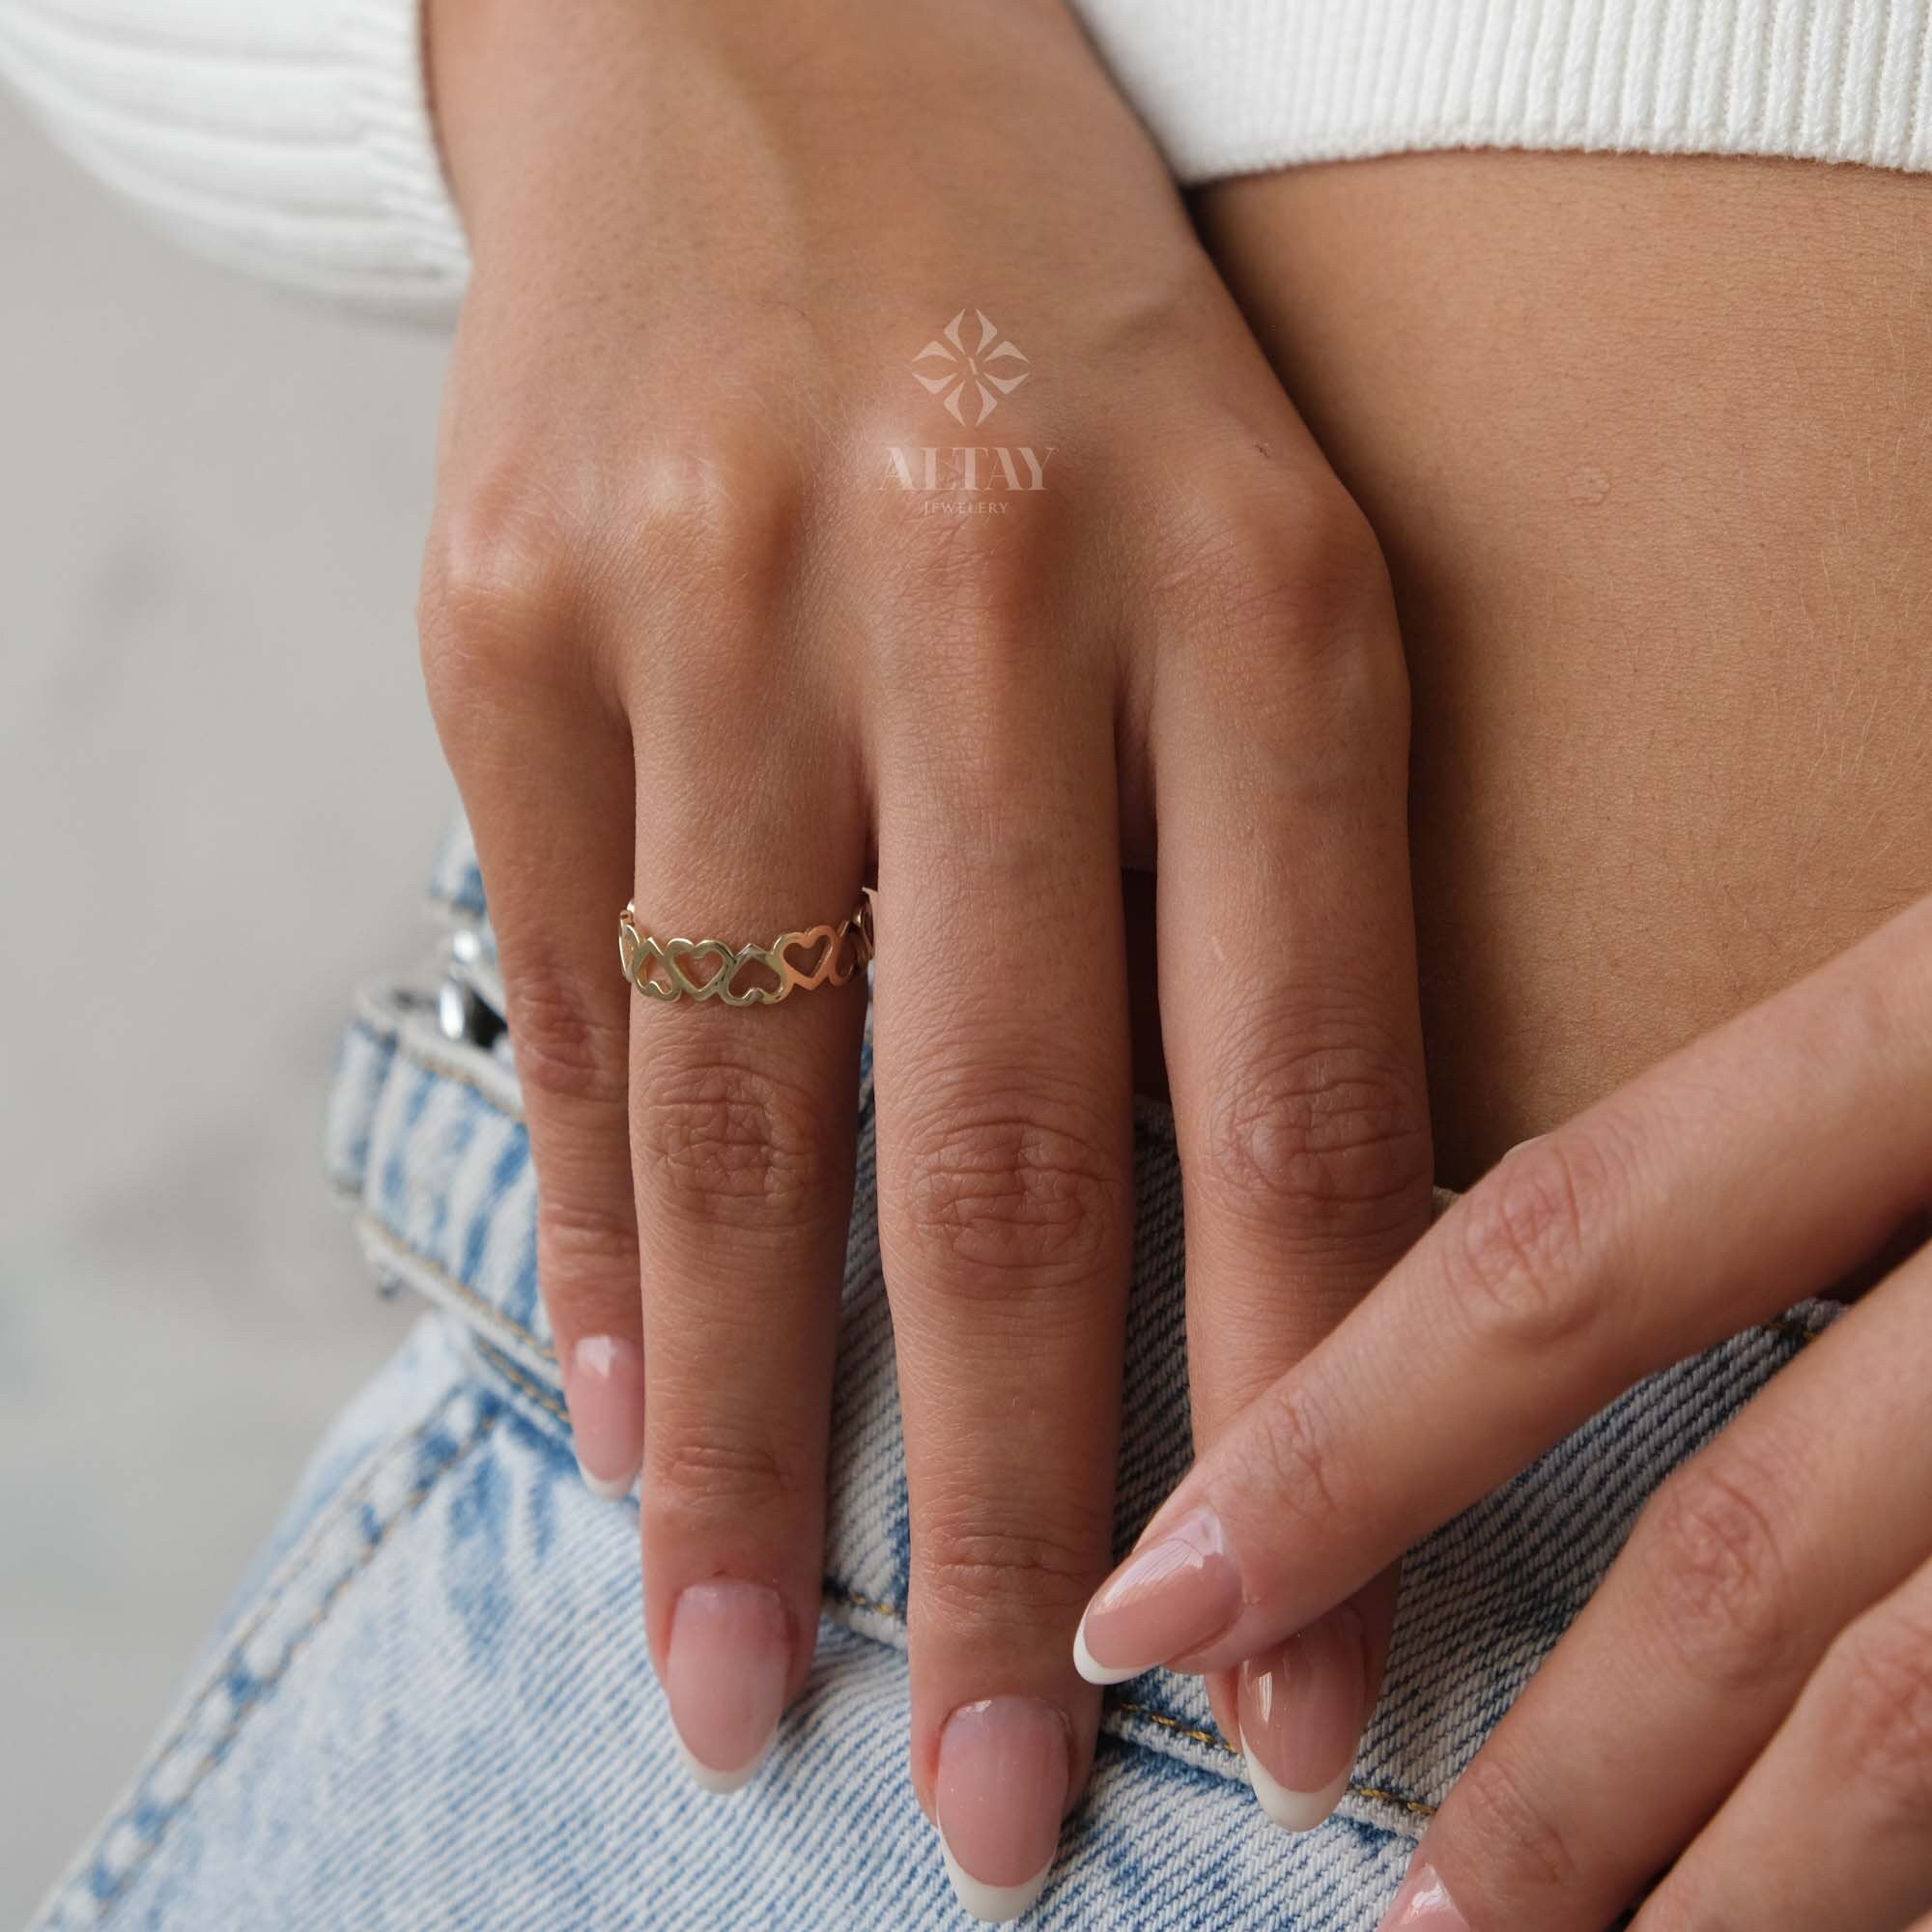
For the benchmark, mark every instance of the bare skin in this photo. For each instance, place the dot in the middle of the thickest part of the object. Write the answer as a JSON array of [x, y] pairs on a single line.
[[1648, 444]]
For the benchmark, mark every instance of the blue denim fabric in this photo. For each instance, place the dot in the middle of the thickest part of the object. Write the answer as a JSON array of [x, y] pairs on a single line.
[[430, 1707]]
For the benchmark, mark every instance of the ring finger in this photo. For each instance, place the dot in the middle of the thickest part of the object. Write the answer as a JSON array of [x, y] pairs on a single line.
[[742, 1131]]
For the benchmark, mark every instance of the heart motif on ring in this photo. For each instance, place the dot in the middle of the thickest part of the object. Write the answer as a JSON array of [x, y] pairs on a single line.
[[715, 985], [644, 957], [827, 942], [737, 995]]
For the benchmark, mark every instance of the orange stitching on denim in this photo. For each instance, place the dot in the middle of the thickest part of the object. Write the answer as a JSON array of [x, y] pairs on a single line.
[[1187, 1730], [367, 1222], [1397, 1798], [403, 1047], [529, 1383], [212, 1754], [845, 1596], [1219, 1742], [407, 1049]]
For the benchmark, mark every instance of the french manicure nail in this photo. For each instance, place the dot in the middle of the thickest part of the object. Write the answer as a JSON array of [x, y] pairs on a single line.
[[1424, 1900], [726, 1673], [1003, 1767], [1170, 1597], [1301, 1708], [604, 1390]]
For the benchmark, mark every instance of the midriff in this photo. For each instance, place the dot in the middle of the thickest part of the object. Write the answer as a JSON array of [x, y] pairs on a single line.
[[1648, 443]]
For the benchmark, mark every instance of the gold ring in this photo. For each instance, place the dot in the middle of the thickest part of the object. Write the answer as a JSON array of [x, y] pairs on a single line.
[[831, 954]]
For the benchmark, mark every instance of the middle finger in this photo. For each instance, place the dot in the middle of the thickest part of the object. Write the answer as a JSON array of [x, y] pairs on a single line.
[[1002, 1076]]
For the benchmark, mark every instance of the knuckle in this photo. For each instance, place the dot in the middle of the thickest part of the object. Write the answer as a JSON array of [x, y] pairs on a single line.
[[1716, 1573], [717, 1469], [587, 1265], [567, 1046], [1879, 1687], [970, 606], [585, 1240], [725, 1144], [1314, 1115], [724, 520], [1519, 1262], [979, 1579], [497, 584], [1290, 1457], [1499, 1808], [1299, 567], [1012, 1192]]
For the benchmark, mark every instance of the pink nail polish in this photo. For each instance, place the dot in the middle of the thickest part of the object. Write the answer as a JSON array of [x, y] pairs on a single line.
[[1171, 1596], [1424, 1900], [726, 1672], [1302, 1708], [604, 1390], [1003, 1766]]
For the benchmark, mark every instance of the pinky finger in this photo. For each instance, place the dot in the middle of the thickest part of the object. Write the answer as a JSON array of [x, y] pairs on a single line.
[[546, 777], [1833, 1824]]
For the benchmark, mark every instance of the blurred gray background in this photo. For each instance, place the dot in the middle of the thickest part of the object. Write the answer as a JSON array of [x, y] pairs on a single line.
[[219, 791]]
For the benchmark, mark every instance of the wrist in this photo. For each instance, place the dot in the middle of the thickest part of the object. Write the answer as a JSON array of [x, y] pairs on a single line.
[[693, 93]]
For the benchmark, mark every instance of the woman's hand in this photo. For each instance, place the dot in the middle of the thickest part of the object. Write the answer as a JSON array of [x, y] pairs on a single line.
[[762, 560], [1754, 1678]]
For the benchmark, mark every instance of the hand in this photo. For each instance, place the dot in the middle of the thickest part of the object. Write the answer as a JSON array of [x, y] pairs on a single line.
[[717, 616], [1749, 1691]]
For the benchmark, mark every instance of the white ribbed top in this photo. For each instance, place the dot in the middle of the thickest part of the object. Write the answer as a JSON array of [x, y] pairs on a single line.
[[1230, 86], [291, 137]]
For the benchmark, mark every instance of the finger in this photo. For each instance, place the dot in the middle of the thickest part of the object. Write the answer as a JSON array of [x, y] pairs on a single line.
[[1833, 1824], [544, 766], [1293, 1033], [1716, 1189], [743, 1121], [1745, 1566], [1004, 1166]]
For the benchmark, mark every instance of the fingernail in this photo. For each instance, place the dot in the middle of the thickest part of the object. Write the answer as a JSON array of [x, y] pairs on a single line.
[[1002, 1788], [1424, 1900], [1170, 1597], [604, 1390], [725, 1678], [1301, 1708]]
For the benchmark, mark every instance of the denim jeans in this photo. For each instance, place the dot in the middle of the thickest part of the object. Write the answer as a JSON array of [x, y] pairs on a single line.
[[428, 1705]]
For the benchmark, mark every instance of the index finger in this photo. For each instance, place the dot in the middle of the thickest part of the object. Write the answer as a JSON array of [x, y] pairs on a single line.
[[1736, 1176], [1294, 1043]]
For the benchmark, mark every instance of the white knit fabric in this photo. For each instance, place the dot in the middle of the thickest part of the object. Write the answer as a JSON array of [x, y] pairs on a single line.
[[289, 138], [1230, 86], [292, 136]]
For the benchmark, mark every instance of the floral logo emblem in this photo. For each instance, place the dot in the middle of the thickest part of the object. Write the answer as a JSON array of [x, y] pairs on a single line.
[[976, 378]]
